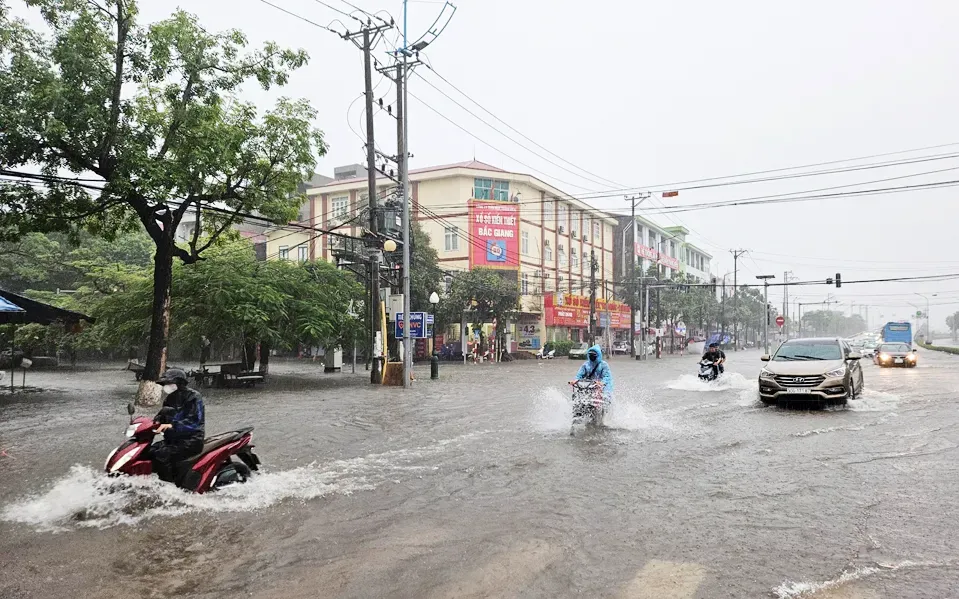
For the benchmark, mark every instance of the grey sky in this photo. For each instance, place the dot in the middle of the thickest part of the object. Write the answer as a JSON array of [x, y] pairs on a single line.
[[652, 92]]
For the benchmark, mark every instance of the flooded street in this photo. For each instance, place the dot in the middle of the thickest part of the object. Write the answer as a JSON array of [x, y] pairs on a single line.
[[471, 486]]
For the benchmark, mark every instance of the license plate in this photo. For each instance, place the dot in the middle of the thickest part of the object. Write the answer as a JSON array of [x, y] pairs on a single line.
[[799, 390], [898, 360]]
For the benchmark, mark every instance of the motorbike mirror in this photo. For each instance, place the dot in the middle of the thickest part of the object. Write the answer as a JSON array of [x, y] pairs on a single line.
[[765, 358], [130, 409]]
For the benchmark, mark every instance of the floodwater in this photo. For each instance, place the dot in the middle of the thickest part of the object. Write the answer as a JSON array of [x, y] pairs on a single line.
[[471, 486]]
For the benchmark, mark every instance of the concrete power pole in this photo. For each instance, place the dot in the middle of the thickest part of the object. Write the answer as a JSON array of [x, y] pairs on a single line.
[[367, 34], [592, 297], [787, 276], [736, 254], [633, 202]]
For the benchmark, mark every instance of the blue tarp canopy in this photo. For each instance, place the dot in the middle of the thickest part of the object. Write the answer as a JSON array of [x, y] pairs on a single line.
[[17, 309], [10, 312]]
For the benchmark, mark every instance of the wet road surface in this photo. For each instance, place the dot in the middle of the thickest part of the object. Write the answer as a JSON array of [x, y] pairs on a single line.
[[472, 487]]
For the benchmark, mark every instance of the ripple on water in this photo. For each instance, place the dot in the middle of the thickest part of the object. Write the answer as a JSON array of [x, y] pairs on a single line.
[[728, 381]]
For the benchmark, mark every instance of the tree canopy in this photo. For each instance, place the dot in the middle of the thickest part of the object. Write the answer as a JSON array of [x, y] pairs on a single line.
[[110, 126]]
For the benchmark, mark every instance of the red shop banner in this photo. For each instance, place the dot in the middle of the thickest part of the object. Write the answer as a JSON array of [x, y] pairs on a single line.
[[494, 234]]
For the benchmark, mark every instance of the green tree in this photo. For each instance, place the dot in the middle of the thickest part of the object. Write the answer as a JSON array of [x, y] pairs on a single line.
[[486, 292], [425, 274], [952, 321], [150, 114]]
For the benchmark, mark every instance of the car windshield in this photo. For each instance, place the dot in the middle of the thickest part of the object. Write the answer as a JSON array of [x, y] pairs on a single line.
[[824, 350], [895, 347]]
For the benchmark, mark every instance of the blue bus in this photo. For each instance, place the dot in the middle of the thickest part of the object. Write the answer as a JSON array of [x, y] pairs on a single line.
[[897, 332]]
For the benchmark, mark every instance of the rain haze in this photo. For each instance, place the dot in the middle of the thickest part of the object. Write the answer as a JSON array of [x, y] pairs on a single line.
[[645, 94], [810, 138]]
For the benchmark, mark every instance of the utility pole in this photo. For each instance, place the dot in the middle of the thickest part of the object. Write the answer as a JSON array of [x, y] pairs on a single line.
[[787, 276], [401, 160], [633, 202], [592, 297], [765, 280], [368, 35], [722, 317], [736, 254]]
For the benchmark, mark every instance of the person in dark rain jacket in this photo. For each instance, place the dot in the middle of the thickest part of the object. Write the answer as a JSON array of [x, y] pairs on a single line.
[[181, 422], [596, 369]]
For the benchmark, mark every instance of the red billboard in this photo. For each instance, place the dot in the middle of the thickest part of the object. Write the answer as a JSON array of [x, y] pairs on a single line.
[[573, 311], [494, 234]]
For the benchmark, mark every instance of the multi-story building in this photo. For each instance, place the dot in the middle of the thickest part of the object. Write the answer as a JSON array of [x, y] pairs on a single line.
[[665, 246], [478, 215]]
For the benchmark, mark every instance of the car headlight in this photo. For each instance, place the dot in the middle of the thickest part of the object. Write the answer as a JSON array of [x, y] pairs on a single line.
[[883, 356], [766, 374], [912, 357], [841, 371]]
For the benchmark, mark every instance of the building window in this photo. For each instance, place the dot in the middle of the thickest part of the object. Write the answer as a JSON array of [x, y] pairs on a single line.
[[574, 257], [501, 191], [451, 239], [596, 227], [284, 252], [448, 279], [339, 207], [524, 284], [301, 253], [562, 257], [548, 213], [524, 242], [483, 189], [561, 216], [548, 253]]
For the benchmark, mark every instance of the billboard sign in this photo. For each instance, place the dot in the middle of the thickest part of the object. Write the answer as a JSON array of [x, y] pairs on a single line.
[[421, 324], [494, 234]]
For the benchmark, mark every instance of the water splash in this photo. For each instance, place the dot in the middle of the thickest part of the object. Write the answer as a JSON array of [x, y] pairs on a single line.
[[874, 401], [727, 382], [797, 590], [552, 411], [86, 497]]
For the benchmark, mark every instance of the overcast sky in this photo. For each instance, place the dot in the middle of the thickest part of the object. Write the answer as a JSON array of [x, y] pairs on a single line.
[[645, 93]]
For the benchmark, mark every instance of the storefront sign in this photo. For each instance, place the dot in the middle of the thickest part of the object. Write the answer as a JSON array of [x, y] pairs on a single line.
[[529, 335], [669, 261], [573, 311], [494, 234], [646, 252]]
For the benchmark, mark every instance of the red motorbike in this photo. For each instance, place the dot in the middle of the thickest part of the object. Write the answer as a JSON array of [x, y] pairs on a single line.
[[212, 468]]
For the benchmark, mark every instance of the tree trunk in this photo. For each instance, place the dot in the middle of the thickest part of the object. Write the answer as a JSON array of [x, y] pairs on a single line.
[[264, 358], [249, 354], [149, 392]]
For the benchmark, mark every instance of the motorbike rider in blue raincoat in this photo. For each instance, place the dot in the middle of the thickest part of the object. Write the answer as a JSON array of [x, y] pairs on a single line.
[[596, 369]]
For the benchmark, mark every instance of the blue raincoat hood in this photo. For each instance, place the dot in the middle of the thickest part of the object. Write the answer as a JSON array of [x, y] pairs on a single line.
[[596, 348]]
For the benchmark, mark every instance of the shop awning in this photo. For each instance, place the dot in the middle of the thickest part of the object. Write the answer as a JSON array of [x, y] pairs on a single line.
[[17, 309]]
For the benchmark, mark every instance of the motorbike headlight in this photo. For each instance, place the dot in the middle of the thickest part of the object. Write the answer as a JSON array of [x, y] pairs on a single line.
[[765, 373], [132, 430], [841, 371]]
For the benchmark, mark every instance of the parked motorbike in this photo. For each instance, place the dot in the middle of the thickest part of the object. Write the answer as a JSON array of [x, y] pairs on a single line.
[[212, 468], [589, 405], [708, 371]]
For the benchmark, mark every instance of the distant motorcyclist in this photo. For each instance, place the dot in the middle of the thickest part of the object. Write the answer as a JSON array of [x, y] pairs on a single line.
[[596, 369], [181, 422], [716, 356]]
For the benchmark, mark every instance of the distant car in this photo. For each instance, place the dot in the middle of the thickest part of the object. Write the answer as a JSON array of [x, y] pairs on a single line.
[[895, 354], [578, 352], [868, 349], [620, 347], [823, 369]]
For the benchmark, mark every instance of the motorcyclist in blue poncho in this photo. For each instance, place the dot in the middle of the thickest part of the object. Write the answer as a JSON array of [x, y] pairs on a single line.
[[596, 369]]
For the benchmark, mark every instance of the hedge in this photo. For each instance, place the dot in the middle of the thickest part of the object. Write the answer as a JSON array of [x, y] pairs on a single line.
[[942, 348]]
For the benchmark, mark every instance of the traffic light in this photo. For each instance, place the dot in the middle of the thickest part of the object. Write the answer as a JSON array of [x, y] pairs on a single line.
[[838, 280]]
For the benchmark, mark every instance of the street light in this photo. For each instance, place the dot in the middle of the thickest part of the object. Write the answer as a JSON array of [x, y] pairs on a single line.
[[765, 280], [434, 359], [928, 320]]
